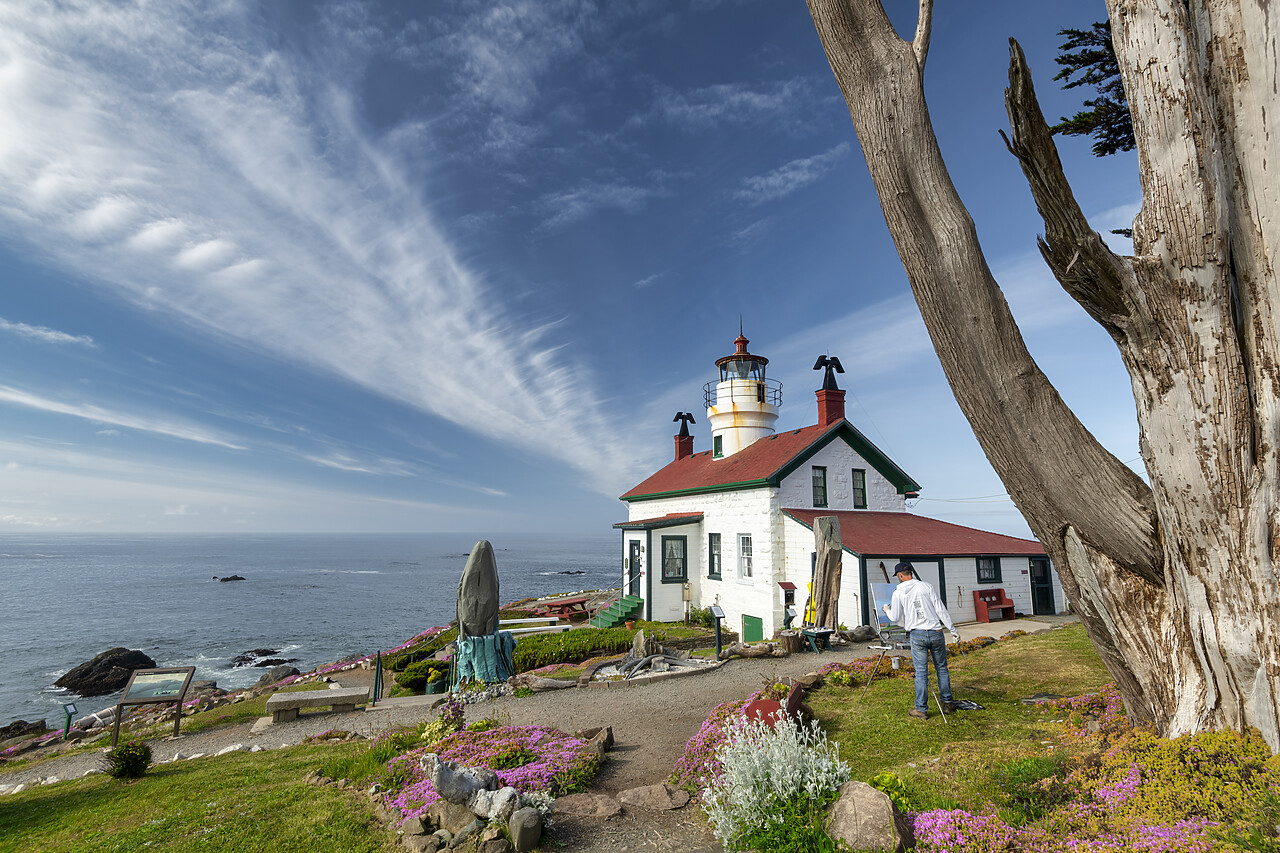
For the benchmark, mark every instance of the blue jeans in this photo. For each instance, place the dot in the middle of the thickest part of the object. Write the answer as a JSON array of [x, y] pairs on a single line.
[[925, 644]]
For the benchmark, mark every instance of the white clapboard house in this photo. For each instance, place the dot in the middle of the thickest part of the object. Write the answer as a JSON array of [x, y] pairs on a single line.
[[733, 525]]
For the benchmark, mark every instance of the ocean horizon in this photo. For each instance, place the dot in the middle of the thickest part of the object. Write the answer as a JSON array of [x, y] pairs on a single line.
[[314, 598]]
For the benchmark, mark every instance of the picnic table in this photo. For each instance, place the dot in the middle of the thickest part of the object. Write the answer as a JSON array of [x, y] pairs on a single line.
[[566, 607]]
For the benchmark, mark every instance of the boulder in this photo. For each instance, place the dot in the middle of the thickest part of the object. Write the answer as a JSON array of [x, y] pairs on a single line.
[[106, 673], [421, 843], [455, 783], [588, 805], [276, 673], [451, 817], [866, 819], [525, 828], [414, 826], [495, 805], [478, 593], [655, 798], [496, 845], [22, 729]]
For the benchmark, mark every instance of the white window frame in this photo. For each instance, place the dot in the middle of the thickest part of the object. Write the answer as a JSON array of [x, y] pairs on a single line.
[[746, 556]]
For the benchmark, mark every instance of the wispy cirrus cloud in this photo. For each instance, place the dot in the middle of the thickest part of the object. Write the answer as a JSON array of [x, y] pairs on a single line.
[[44, 335], [173, 154], [790, 177], [99, 415], [728, 103], [563, 208]]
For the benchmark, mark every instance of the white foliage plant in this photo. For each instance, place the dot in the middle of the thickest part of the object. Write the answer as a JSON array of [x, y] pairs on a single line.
[[762, 766]]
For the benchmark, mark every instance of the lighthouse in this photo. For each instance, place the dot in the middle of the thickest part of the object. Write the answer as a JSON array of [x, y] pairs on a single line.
[[742, 405]]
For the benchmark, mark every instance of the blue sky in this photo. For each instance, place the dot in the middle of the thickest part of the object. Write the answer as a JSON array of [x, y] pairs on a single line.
[[453, 266]]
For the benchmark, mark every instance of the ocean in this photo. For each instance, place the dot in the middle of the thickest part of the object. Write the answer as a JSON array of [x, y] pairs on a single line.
[[316, 598]]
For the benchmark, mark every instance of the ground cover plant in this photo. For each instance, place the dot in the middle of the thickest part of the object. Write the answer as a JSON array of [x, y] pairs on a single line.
[[238, 803], [539, 650], [531, 759]]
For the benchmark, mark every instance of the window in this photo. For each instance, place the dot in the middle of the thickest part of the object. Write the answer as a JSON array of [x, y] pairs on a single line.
[[819, 485], [859, 488], [675, 562], [744, 556], [713, 556], [988, 570], [717, 446]]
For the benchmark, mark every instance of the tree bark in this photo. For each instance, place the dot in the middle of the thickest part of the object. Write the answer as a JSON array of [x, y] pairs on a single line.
[[826, 577], [1176, 583]]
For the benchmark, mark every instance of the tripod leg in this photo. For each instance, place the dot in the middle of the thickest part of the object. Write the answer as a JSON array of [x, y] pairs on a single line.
[[940, 711], [872, 677]]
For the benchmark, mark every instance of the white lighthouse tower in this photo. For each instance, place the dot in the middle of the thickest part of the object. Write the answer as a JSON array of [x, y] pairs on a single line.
[[742, 406]]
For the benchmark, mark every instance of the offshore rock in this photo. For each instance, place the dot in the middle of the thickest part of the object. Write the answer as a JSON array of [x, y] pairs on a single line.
[[478, 593], [106, 673], [276, 673]]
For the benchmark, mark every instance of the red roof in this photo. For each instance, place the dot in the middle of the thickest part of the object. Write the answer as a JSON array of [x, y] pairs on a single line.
[[671, 519], [763, 462], [905, 534]]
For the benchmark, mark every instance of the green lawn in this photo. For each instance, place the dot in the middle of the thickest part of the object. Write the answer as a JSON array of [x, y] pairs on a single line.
[[946, 765], [239, 802]]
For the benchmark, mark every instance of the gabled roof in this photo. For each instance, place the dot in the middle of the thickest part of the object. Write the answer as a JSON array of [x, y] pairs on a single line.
[[671, 519], [764, 462], [906, 534]]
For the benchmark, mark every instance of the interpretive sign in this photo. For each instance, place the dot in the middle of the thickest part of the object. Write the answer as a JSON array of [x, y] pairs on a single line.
[[155, 687]]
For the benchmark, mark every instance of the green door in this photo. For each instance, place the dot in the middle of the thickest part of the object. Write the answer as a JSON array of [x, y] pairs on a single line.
[[752, 629]]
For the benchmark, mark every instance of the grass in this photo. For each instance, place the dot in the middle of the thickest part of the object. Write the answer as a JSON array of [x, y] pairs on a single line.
[[949, 765], [237, 712], [240, 802]]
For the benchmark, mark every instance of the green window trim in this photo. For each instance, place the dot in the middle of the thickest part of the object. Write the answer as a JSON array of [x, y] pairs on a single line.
[[675, 559], [714, 556], [991, 565], [819, 486], [717, 446], [858, 485]]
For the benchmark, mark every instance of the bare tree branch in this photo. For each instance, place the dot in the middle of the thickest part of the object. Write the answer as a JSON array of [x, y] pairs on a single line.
[[1095, 276], [923, 29]]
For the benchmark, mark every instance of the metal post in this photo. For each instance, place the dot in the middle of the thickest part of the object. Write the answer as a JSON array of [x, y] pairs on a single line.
[[66, 730], [377, 682], [717, 639]]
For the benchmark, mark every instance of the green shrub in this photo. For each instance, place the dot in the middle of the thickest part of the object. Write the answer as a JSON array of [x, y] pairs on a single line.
[[422, 651], [537, 650], [701, 616], [516, 756], [416, 675], [891, 785], [799, 828], [128, 760]]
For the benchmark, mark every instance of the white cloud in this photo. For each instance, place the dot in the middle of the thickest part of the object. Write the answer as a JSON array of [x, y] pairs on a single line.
[[561, 209], [728, 103], [272, 217], [97, 414], [790, 177], [44, 335]]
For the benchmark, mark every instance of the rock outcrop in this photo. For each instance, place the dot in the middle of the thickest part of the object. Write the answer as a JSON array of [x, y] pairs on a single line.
[[106, 673]]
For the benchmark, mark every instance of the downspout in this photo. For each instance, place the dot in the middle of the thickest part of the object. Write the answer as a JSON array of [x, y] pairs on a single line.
[[866, 590], [648, 575]]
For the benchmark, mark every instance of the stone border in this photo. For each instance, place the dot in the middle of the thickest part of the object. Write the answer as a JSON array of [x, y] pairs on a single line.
[[680, 672]]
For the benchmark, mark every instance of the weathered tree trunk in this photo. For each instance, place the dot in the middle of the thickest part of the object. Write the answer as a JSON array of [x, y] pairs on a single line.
[[826, 576], [1176, 583], [760, 650]]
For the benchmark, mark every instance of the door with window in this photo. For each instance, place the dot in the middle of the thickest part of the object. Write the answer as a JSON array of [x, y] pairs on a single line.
[[1042, 603], [634, 562]]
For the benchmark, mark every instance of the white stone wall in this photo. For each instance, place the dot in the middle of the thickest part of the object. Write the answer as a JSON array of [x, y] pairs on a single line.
[[799, 551], [1015, 580], [839, 459], [668, 598], [751, 511]]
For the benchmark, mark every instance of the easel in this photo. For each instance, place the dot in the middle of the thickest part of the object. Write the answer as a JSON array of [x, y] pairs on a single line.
[[890, 645]]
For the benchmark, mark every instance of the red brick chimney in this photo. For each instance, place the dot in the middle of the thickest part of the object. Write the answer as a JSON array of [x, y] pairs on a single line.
[[830, 407], [684, 441]]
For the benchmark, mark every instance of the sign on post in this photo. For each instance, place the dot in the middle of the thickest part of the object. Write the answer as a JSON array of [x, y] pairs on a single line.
[[155, 687]]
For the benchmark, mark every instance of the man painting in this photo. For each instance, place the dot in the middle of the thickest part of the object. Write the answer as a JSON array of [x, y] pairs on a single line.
[[918, 609]]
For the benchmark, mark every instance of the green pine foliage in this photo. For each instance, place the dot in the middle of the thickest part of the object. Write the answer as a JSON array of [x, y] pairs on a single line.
[[1088, 58]]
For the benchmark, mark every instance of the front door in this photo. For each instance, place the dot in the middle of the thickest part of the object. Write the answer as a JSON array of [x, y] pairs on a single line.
[[1042, 603], [634, 563]]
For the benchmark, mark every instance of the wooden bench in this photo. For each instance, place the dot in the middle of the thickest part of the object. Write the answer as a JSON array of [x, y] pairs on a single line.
[[566, 607], [284, 706], [987, 601], [818, 638], [538, 629]]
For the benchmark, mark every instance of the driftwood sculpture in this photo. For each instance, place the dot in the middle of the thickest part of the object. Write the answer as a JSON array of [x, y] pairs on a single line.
[[762, 650], [826, 577]]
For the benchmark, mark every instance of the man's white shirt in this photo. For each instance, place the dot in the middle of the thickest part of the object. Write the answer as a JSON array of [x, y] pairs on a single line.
[[916, 607]]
